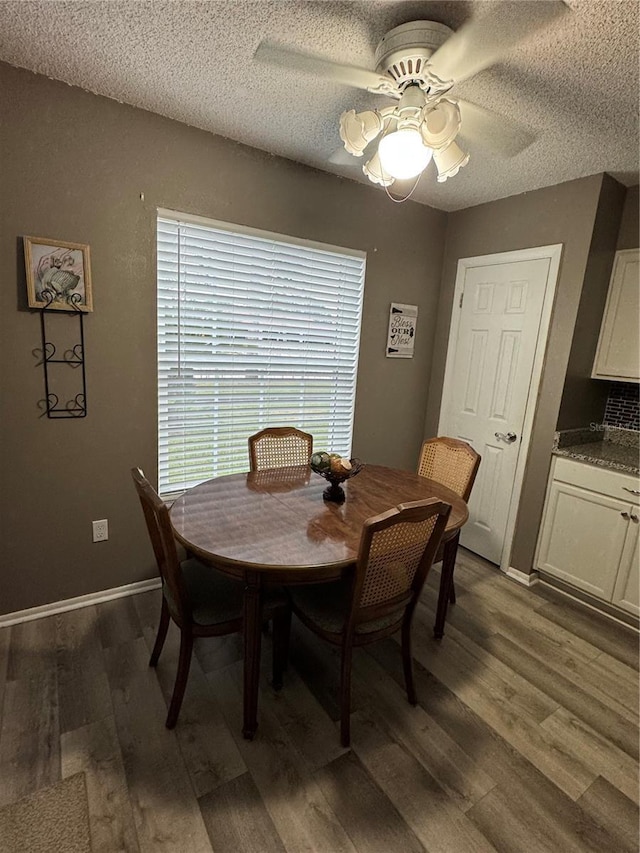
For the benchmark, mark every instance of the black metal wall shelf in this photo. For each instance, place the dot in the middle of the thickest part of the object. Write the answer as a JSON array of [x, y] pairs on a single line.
[[72, 357]]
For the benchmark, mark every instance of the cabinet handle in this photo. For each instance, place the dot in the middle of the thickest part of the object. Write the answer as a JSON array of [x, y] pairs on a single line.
[[631, 491], [634, 518], [625, 515]]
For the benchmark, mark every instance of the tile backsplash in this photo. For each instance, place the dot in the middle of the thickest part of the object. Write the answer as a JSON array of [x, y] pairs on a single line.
[[623, 405]]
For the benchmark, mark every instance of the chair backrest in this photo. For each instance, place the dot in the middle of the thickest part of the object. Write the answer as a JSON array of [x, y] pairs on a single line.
[[397, 549], [449, 461], [272, 480], [160, 531], [279, 447]]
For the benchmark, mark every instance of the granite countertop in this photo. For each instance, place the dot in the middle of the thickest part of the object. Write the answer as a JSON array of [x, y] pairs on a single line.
[[617, 449]]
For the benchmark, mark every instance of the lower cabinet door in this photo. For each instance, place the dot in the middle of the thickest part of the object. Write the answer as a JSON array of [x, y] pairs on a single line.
[[626, 593], [583, 538]]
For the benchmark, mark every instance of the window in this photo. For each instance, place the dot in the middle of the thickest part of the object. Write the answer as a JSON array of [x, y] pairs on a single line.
[[254, 330]]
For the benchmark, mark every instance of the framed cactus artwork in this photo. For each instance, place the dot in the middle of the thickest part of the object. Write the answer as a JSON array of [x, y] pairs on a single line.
[[58, 274]]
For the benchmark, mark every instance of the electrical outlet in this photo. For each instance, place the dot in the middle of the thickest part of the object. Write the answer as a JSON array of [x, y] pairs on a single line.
[[100, 530]]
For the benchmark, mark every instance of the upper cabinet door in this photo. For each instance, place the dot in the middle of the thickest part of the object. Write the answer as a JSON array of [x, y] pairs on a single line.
[[618, 353]]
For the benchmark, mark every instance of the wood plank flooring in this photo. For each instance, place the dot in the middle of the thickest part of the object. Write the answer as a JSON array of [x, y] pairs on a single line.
[[525, 737]]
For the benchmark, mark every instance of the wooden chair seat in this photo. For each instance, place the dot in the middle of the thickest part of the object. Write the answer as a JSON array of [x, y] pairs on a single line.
[[327, 606], [216, 598]]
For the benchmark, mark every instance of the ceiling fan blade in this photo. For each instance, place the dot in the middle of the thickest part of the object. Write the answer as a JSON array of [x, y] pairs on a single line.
[[348, 75], [493, 131], [483, 41]]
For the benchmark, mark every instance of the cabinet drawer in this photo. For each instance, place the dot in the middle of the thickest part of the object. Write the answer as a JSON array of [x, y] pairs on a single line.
[[616, 484]]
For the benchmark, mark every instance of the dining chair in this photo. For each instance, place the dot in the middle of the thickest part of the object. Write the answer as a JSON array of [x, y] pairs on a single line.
[[279, 447], [454, 463], [396, 551], [202, 601]]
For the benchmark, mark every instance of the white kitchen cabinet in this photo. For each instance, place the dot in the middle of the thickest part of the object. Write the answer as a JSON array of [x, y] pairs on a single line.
[[589, 534], [626, 593], [618, 353]]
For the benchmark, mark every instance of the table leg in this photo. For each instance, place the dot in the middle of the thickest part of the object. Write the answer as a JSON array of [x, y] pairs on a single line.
[[252, 639], [450, 551]]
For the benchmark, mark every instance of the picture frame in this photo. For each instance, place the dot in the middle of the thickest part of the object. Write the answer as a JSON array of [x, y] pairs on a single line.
[[58, 274]]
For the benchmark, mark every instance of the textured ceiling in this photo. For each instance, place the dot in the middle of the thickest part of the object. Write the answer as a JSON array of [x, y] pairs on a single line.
[[576, 84]]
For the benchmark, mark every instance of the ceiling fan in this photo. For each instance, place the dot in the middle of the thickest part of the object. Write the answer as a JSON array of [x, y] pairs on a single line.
[[417, 64]]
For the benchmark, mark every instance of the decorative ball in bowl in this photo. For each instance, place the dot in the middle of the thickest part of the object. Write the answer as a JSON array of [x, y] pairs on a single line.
[[336, 469]]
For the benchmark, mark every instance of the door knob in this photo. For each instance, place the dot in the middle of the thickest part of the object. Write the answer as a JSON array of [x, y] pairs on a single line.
[[510, 437]]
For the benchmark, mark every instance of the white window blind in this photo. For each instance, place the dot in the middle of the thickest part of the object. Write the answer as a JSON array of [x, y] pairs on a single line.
[[254, 330]]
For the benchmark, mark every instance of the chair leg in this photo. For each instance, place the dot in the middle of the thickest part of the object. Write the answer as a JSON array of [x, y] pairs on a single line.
[[345, 695], [407, 662], [184, 662], [162, 633], [446, 581], [281, 634], [452, 593]]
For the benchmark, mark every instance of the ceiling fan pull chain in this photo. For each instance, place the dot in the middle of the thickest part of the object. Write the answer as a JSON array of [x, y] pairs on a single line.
[[409, 194]]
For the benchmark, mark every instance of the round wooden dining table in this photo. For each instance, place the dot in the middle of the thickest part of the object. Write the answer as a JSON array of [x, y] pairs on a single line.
[[274, 527]]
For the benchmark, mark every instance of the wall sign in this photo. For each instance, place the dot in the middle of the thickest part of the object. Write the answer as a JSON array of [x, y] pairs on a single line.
[[402, 330]]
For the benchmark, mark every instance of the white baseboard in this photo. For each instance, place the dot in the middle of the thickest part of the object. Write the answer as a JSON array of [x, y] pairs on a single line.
[[522, 577], [80, 601]]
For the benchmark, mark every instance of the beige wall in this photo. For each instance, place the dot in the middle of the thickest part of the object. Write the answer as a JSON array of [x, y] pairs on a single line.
[[561, 214], [628, 236], [584, 399], [73, 167]]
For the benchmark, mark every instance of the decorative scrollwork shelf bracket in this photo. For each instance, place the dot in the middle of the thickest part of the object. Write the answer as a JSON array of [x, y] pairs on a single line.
[[73, 357]]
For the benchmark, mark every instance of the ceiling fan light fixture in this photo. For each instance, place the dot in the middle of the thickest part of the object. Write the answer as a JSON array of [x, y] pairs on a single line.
[[403, 154], [358, 129], [376, 174], [449, 161]]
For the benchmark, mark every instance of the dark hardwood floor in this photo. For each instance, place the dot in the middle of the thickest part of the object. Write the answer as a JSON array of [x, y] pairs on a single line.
[[525, 738]]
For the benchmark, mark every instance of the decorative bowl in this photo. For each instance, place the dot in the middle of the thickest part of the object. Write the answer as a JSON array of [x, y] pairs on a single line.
[[334, 491]]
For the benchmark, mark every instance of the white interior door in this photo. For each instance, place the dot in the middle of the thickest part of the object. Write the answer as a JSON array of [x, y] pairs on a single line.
[[493, 366]]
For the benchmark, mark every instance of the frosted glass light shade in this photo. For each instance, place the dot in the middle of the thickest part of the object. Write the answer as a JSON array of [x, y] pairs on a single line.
[[403, 154], [376, 174], [358, 129], [440, 124], [449, 161]]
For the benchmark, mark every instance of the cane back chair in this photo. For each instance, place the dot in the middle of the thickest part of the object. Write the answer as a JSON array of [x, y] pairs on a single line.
[[396, 551], [279, 447], [201, 601], [454, 463]]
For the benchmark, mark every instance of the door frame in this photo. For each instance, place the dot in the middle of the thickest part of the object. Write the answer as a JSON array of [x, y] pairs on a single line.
[[553, 253]]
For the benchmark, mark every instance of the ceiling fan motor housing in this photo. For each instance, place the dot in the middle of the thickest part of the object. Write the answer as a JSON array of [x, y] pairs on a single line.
[[404, 52]]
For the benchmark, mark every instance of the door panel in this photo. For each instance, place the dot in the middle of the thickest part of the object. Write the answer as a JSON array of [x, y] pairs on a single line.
[[475, 370], [505, 375]]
